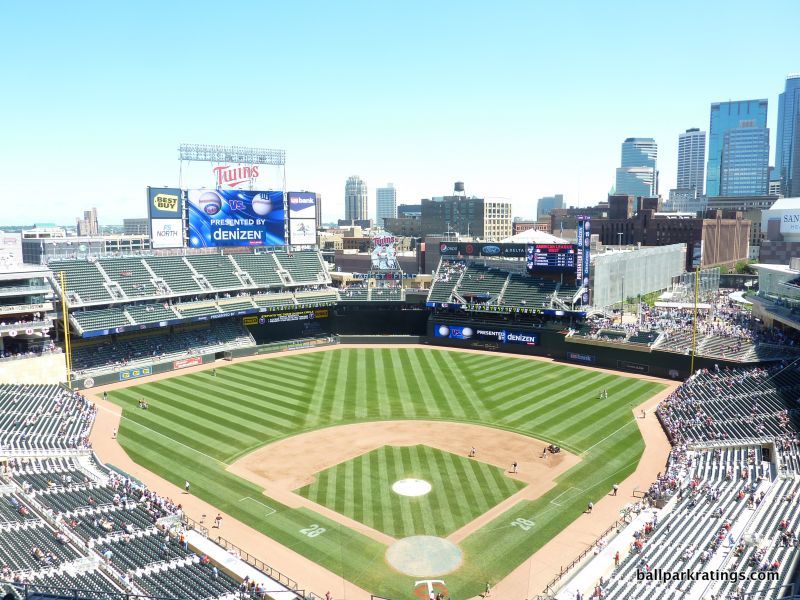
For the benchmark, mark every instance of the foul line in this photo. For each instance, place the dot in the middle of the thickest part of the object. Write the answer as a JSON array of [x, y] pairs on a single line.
[[166, 437], [261, 503], [566, 491], [608, 436]]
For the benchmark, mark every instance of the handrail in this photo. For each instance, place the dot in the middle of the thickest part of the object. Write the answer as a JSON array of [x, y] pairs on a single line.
[[259, 564], [548, 589]]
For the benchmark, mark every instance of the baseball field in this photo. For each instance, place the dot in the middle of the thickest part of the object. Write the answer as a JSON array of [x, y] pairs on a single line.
[[330, 496]]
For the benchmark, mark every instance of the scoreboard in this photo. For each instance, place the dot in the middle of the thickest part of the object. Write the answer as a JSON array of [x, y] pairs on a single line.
[[559, 258]]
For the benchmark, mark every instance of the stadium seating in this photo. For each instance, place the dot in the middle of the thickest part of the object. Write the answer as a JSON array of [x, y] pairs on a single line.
[[131, 274], [386, 294], [305, 266], [262, 268], [354, 294], [175, 272], [151, 313], [135, 351], [106, 318], [732, 405], [321, 297], [643, 337], [83, 278], [528, 292], [566, 292], [23, 424], [482, 283], [193, 581], [100, 536], [234, 304], [218, 269], [274, 300], [197, 309]]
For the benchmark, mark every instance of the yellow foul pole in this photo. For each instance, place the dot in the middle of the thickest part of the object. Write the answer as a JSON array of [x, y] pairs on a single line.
[[65, 318]]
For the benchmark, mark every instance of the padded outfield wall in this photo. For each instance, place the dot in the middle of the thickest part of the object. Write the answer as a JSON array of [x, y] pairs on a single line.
[[538, 340]]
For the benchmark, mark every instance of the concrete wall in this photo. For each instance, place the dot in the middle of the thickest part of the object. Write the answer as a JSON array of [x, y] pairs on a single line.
[[48, 368]]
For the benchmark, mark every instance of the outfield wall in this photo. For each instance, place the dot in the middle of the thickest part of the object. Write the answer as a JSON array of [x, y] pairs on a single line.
[[140, 371], [552, 343]]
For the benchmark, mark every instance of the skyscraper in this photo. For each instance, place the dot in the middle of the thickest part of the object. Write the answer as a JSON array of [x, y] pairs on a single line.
[[544, 206], [788, 137], [691, 160], [724, 117], [638, 174], [385, 204], [355, 199], [745, 162]]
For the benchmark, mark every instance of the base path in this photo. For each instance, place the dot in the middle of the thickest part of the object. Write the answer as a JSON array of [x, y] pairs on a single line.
[[528, 579], [278, 470]]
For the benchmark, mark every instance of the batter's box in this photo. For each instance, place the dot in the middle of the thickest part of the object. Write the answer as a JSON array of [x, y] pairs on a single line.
[[562, 494], [271, 511]]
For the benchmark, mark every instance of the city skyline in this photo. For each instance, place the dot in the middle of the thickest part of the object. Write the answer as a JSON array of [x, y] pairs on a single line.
[[113, 119]]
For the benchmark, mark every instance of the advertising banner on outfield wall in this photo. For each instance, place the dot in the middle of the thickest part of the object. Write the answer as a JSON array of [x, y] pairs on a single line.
[[299, 315], [235, 218], [187, 362], [587, 358], [466, 332]]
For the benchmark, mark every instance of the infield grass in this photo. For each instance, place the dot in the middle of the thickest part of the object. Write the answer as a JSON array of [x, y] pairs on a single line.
[[361, 488], [197, 424]]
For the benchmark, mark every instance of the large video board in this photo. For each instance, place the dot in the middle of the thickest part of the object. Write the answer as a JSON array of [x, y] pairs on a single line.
[[235, 218], [552, 257]]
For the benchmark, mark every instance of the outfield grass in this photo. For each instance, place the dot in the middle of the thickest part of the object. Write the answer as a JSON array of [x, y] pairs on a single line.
[[462, 489], [197, 424]]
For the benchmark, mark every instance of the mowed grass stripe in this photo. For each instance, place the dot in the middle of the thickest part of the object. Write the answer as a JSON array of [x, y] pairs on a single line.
[[429, 522], [387, 517], [440, 505], [399, 387], [440, 384], [318, 393], [363, 369], [522, 393], [606, 435], [231, 407], [188, 433], [470, 401], [342, 389], [248, 393], [395, 470], [509, 385], [386, 387], [426, 395]]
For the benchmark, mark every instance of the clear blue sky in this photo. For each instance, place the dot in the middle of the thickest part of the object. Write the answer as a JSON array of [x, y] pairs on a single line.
[[518, 99]]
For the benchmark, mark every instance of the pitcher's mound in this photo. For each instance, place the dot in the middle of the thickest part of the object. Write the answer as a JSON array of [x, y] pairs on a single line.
[[424, 556]]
